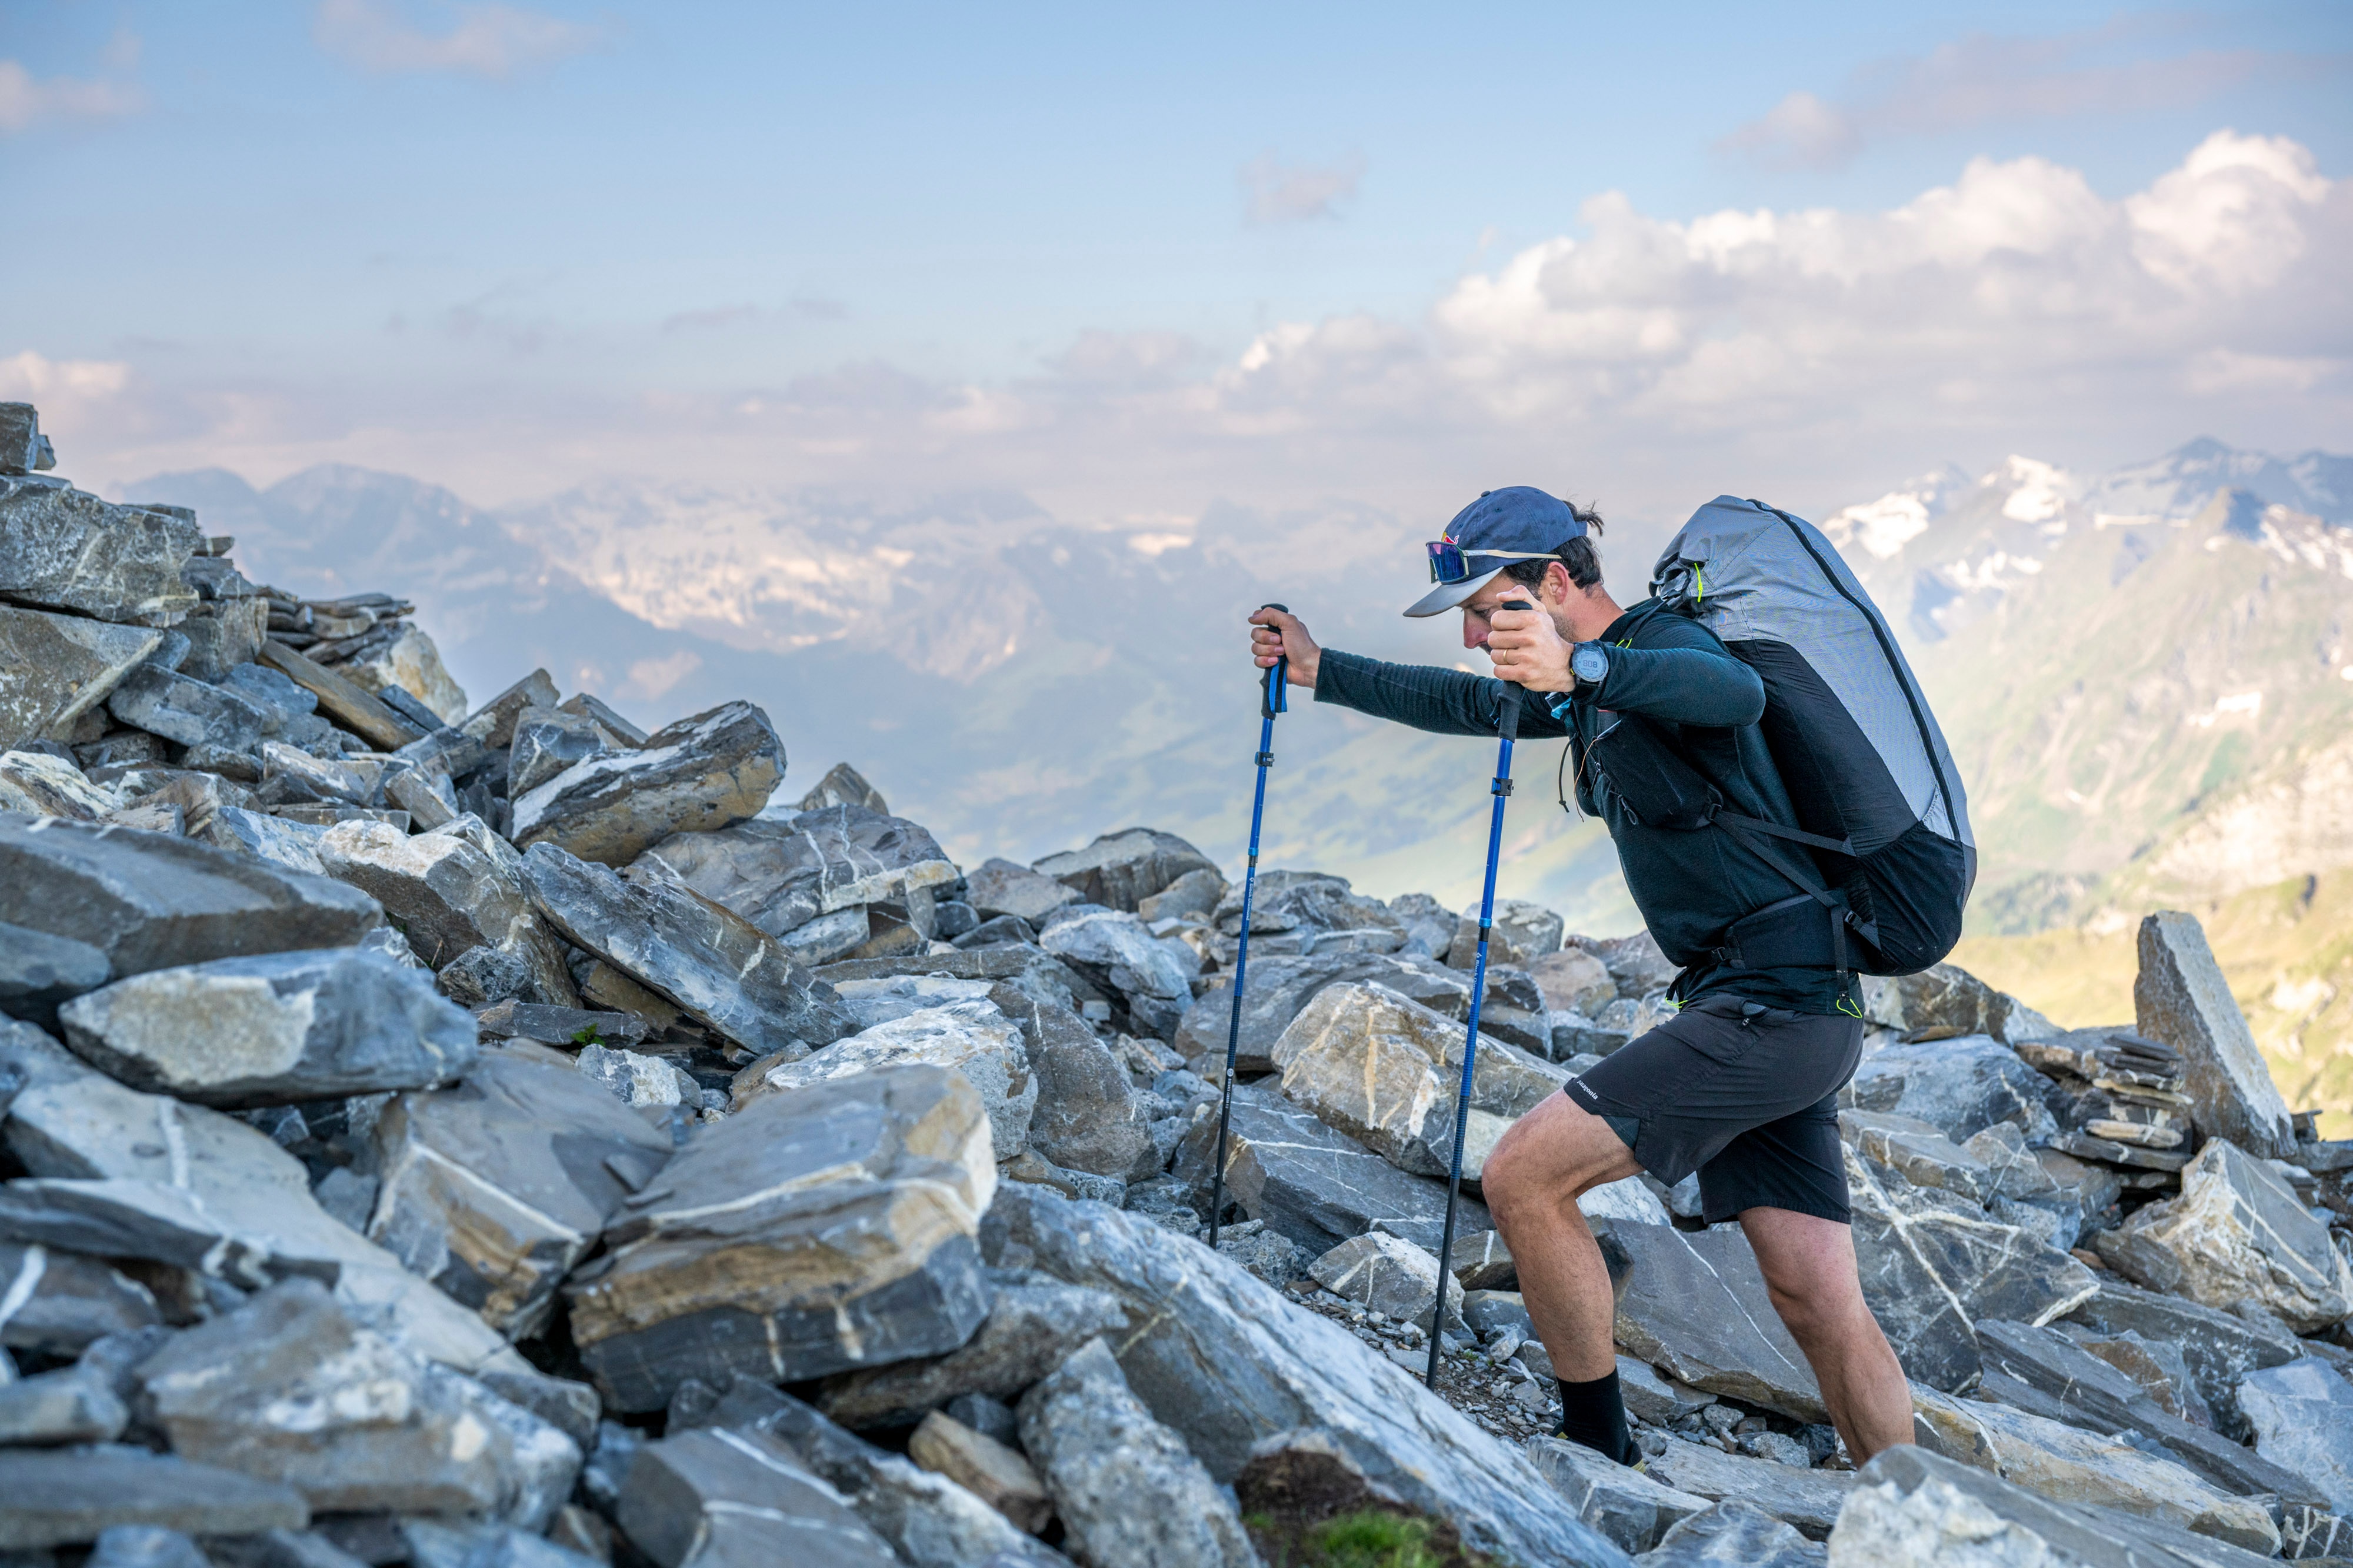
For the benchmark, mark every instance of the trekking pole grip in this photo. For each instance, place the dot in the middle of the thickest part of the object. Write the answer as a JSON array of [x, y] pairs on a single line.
[[1278, 694]]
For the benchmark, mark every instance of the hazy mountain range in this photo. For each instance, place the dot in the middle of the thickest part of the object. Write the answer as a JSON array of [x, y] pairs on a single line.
[[2147, 675]]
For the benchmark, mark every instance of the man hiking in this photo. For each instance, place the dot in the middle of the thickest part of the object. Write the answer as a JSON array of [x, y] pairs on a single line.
[[1740, 1084]]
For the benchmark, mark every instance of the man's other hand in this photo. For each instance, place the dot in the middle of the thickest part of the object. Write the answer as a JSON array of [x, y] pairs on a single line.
[[1529, 650], [1280, 635]]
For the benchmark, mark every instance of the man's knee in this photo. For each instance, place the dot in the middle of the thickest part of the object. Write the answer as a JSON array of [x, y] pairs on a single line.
[[1552, 1154]]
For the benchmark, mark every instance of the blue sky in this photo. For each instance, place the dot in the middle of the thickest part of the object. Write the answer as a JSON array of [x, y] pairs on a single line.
[[488, 242]]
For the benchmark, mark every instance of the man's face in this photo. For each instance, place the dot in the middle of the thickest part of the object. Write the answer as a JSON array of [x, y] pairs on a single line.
[[1502, 590]]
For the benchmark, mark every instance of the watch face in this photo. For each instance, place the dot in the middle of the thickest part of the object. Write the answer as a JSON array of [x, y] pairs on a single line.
[[1589, 664]]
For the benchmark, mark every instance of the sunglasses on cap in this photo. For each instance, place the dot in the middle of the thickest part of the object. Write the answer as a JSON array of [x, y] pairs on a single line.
[[1448, 564]]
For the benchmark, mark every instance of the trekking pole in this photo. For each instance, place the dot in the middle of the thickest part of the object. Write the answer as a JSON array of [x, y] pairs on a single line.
[[1276, 700], [1507, 729]]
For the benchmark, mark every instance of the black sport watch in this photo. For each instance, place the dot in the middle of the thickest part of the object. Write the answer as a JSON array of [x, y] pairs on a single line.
[[1589, 663]]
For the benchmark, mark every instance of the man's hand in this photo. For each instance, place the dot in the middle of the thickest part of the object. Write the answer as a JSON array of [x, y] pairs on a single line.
[[1280, 635], [1529, 650]]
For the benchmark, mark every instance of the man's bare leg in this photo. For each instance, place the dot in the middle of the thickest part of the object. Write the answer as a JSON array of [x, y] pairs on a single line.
[[1531, 1183], [1810, 1271]]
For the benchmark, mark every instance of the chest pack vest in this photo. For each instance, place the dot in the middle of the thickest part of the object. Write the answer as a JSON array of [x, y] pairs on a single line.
[[1882, 860]]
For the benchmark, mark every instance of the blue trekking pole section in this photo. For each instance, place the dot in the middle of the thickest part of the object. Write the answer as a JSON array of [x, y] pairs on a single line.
[[1507, 729], [1276, 699]]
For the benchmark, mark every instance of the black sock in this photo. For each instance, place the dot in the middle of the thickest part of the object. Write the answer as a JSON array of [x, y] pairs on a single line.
[[1594, 1413]]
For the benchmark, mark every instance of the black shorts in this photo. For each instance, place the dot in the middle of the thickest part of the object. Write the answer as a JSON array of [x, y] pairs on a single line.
[[1744, 1094]]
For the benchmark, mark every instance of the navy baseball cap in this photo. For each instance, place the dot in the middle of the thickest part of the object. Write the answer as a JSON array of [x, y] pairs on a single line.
[[1518, 522]]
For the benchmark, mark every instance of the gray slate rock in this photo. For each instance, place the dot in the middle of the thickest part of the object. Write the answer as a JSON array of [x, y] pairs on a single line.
[[1003, 888], [1088, 1116], [379, 1429], [1960, 1087], [283, 842], [453, 889], [1030, 1330], [495, 1188], [1227, 1362], [1626, 1506], [2219, 1348], [2237, 1233], [1933, 1265], [1522, 933], [273, 1029], [781, 874], [38, 971], [64, 549], [846, 1213], [68, 1406], [60, 1497], [74, 1127], [1735, 1532], [65, 1300], [547, 741], [701, 774], [23, 448], [845, 785], [150, 901], [720, 1497], [1695, 1306], [2180, 999], [2022, 1362], [2302, 1416], [1808, 1499], [1922, 1155], [1281, 986], [1129, 1493], [1387, 1275], [712, 964], [1312, 1184], [1913, 1507], [1112, 949], [145, 1546], [1120, 870], [55, 668], [191, 711]]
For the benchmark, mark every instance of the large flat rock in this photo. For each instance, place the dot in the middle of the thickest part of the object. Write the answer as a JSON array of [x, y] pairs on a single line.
[[2068, 1464], [71, 1123], [148, 900], [1933, 1265], [1808, 1499], [1088, 1117], [65, 1497], [720, 1497], [781, 874], [2180, 999], [1315, 1186], [1695, 1306], [273, 1029], [1224, 1360], [55, 668], [64, 549], [2302, 1416], [808, 1234], [1032, 1327], [495, 1188], [1960, 1087], [1112, 949], [378, 1428], [701, 774], [1280, 985], [714, 965]]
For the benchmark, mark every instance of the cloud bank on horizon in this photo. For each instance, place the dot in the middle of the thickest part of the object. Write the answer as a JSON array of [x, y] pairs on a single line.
[[1818, 348]]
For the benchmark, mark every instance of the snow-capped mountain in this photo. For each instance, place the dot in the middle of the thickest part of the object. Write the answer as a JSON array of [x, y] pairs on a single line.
[[2124, 662]]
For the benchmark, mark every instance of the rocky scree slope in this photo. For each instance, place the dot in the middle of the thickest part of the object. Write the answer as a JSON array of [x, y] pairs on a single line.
[[453, 1134]]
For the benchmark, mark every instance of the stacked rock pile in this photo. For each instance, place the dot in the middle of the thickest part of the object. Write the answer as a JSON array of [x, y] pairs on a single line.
[[464, 1135]]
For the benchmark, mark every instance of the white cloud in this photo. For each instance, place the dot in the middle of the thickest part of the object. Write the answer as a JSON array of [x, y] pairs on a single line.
[[26, 100], [1275, 192], [486, 40], [1984, 79], [1807, 354]]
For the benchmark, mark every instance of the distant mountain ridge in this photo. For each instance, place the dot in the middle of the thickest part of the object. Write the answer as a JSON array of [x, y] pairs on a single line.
[[1003, 674]]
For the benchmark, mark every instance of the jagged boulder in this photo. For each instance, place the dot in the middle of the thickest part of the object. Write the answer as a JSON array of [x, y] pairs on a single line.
[[1958, 1086], [808, 1234], [970, 1036], [782, 874], [2180, 999], [699, 774], [1120, 870], [454, 889], [55, 668], [64, 549], [2237, 1232]]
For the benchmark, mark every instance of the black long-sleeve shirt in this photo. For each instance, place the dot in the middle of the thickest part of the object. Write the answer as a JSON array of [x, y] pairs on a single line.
[[1689, 885]]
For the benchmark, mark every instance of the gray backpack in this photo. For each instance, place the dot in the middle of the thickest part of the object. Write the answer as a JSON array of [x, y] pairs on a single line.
[[1883, 848]]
